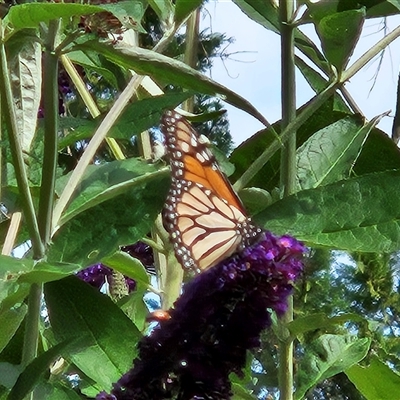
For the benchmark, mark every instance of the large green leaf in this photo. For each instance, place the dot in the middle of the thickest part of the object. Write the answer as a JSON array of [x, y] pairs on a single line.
[[379, 153], [104, 182], [168, 70], [47, 272], [339, 33], [381, 8], [268, 177], [13, 267], [30, 15], [10, 320], [78, 310], [116, 205], [359, 214], [327, 356], [25, 68], [329, 154], [376, 381], [313, 322]]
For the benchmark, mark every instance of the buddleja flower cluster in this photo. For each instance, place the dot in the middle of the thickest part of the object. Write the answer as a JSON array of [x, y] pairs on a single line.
[[217, 319]]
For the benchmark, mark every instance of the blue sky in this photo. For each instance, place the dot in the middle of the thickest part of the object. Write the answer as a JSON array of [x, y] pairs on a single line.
[[257, 76]]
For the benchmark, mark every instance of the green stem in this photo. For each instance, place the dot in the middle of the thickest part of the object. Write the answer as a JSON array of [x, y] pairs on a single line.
[[288, 178], [50, 152], [288, 88], [31, 336], [369, 55], [17, 156], [191, 49]]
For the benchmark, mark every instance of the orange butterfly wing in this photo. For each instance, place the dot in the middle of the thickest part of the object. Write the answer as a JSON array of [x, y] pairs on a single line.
[[204, 216]]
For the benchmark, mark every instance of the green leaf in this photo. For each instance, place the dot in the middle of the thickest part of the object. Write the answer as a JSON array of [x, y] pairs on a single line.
[[47, 272], [104, 182], [379, 8], [376, 381], [78, 310], [135, 308], [359, 214], [268, 177], [136, 118], [8, 374], [255, 199], [164, 9], [339, 34], [10, 320], [241, 393], [183, 8], [10, 266], [34, 372], [330, 154], [262, 12], [158, 66], [116, 207], [12, 293], [26, 82], [379, 153], [318, 83], [319, 321], [146, 113], [78, 129], [129, 13], [128, 266], [55, 391], [267, 15], [30, 15], [327, 356], [92, 61]]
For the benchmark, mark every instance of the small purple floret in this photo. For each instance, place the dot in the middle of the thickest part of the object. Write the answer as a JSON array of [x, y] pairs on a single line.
[[95, 275]]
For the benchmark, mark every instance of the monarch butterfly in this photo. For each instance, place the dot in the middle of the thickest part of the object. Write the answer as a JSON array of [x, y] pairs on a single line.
[[203, 215]]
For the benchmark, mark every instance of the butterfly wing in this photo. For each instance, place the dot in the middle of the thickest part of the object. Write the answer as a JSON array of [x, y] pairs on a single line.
[[204, 216]]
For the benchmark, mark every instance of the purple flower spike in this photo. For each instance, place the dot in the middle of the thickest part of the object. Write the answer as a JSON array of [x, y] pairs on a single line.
[[218, 317]]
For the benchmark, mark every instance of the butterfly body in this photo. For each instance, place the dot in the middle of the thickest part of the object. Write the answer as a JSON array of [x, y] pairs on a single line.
[[203, 215]]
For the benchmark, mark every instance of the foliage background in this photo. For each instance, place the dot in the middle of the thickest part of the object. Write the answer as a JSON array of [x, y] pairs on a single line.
[[334, 185]]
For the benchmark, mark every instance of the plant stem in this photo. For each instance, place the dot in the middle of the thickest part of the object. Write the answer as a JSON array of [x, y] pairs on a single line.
[[31, 335], [50, 152], [191, 49], [369, 55], [288, 178]]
